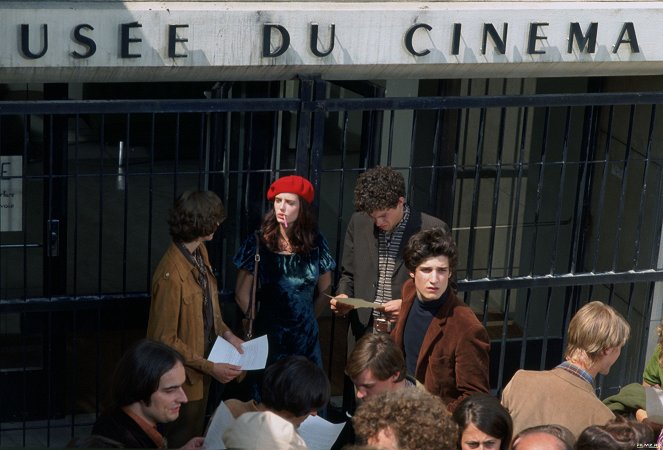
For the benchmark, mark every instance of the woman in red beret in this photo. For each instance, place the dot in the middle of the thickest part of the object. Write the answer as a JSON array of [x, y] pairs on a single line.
[[294, 261]]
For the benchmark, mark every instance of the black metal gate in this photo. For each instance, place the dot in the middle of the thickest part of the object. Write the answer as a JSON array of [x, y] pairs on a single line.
[[554, 200]]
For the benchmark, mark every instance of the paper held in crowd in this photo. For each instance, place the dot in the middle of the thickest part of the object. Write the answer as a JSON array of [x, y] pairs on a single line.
[[654, 397], [318, 433], [218, 424], [355, 302], [253, 358]]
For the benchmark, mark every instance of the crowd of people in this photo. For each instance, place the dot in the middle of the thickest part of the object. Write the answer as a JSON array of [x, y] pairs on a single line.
[[417, 372]]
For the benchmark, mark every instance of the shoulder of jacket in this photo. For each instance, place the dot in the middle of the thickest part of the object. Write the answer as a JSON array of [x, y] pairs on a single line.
[[360, 217], [429, 221], [170, 266]]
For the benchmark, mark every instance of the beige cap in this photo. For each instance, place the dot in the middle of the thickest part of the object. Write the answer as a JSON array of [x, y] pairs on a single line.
[[262, 430]]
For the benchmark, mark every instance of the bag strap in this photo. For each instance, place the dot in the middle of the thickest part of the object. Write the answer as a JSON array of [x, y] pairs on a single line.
[[251, 311]]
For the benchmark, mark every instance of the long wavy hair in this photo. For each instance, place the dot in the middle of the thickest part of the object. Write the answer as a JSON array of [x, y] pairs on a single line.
[[303, 234]]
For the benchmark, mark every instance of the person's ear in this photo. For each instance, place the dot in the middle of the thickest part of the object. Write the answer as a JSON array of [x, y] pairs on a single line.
[[411, 274]]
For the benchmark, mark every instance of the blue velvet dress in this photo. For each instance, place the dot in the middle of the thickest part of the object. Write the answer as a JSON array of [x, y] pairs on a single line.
[[287, 284]]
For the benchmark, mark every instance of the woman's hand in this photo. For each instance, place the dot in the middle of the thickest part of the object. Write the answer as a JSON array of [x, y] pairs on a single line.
[[640, 415], [225, 373]]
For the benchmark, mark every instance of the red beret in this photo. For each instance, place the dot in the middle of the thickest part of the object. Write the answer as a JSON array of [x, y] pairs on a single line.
[[292, 184]]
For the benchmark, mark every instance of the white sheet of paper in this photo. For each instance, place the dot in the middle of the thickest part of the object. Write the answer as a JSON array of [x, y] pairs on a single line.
[[654, 397], [253, 358], [218, 424], [318, 433]]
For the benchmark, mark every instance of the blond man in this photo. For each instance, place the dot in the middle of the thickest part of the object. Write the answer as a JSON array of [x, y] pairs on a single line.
[[565, 395]]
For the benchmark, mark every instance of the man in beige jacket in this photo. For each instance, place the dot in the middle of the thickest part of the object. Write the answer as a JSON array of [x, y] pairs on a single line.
[[565, 395]]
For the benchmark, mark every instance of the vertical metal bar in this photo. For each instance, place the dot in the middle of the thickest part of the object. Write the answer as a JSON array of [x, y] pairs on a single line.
[[435, 163], [125, 219], [475, 194], [304, 129], [203, 161], [518, 186], [49, 378], [496, 193], [48, 207], [415, 117], [604, 180], [150, 204], [653, 258], [456, 168], [582, 196], [74, 335], [560, 192], [643, 192], [539, 189], [622, 195], [523, 348], [544, 341], [100, 238], [390, 147], [317, 143], [176, 168], [462, 145], [503, 340], [26, 142]]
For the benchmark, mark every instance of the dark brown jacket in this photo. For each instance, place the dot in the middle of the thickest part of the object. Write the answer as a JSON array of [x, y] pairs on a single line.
[[453, 360], [359, 268]]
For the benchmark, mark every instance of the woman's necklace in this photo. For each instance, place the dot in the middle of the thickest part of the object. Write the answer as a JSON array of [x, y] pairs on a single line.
[[284, 244]]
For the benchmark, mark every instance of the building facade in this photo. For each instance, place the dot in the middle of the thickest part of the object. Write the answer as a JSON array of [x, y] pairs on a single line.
[[530, 127]]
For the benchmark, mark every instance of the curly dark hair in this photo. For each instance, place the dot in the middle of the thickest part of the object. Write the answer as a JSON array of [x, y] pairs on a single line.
[[418, 419], [430, 244], [303, 234], [378, 188], [195, 214]]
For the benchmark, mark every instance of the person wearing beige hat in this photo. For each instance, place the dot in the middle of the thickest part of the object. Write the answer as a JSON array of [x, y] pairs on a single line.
[[263, 430]]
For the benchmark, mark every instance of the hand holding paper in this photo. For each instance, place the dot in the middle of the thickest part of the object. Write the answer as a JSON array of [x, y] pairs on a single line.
[[254, 357], [353, 301], [654, 397]]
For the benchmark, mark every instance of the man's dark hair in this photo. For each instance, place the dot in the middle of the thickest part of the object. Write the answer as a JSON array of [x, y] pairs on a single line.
[[430, 244], [618, 434], [139, 371], [378, 188], [487, 414], [195, 214], [379, 353], [296, 385]]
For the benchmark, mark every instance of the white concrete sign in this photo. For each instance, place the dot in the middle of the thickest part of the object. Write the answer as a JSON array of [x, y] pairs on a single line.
[[112, 41], [11, 193]]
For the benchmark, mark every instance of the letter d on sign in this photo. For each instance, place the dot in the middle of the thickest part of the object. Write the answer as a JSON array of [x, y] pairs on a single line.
[[267, 40]]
